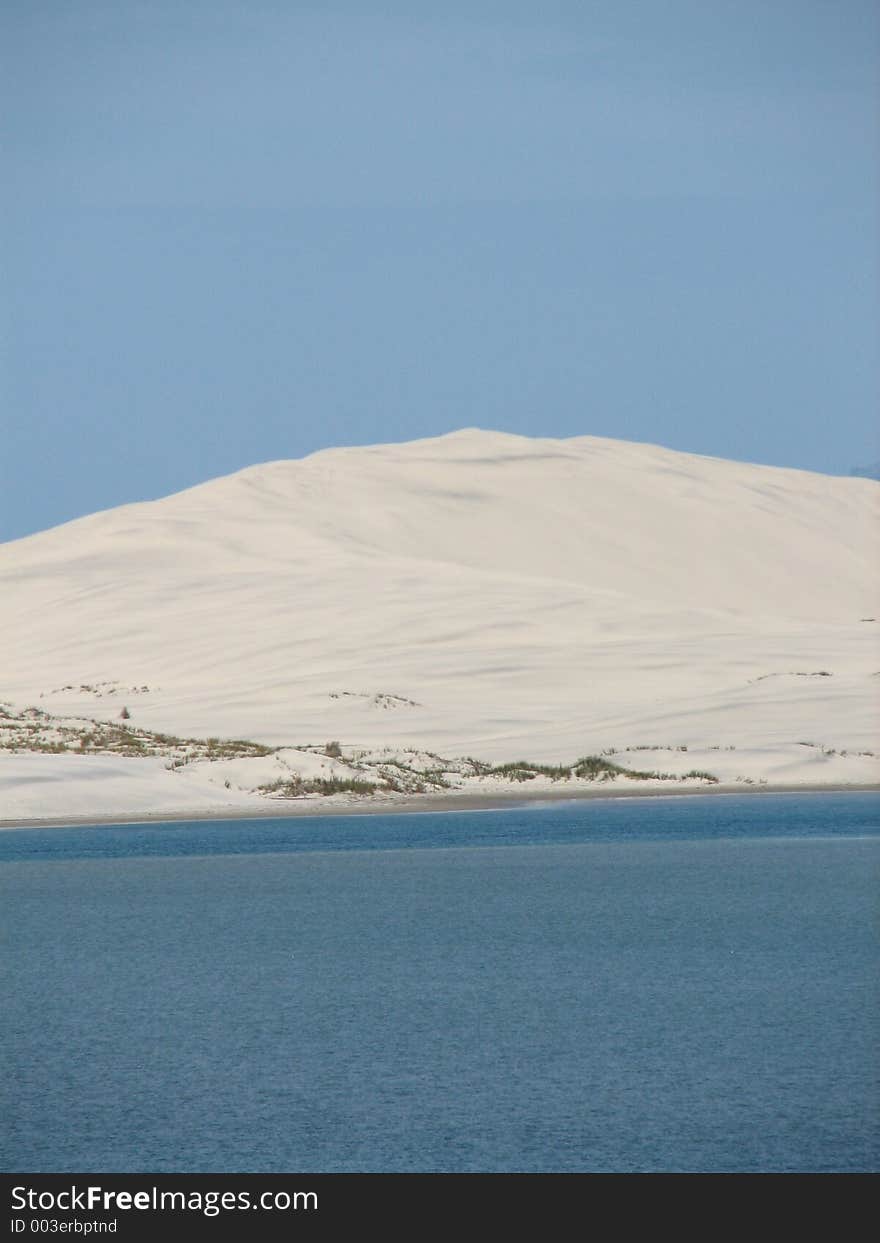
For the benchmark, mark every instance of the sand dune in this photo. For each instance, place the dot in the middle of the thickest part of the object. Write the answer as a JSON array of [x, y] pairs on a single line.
[[479, 593]]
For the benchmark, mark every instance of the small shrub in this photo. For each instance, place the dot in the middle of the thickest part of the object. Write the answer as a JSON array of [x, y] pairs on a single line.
[[597, 768], [435, 777], [295, 787], [593, 767], [333, 749], [338, 785], [525, 770]]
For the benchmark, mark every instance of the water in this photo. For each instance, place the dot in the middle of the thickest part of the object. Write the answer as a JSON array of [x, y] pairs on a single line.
[[644, 985]]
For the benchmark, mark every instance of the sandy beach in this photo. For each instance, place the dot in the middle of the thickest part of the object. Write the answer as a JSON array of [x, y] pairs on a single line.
[[425, 804]]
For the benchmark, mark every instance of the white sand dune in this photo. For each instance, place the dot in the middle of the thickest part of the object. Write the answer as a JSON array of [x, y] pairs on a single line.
[[478, 593]]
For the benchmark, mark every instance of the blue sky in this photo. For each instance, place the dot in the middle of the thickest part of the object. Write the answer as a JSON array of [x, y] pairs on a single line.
[[242, 230]]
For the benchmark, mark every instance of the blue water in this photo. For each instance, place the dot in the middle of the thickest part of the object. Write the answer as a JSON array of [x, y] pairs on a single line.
[[683, 984]]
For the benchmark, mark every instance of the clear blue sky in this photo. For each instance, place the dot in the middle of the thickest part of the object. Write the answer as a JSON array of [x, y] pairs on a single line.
[[240, 230]]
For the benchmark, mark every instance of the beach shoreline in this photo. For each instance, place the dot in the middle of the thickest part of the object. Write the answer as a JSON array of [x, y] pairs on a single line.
[[425, 804]]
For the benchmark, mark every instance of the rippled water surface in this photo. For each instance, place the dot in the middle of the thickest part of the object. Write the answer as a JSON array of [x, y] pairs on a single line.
[[682, 984]]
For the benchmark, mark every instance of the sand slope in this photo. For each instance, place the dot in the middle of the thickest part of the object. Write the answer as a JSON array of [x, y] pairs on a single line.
[[479, 593]]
